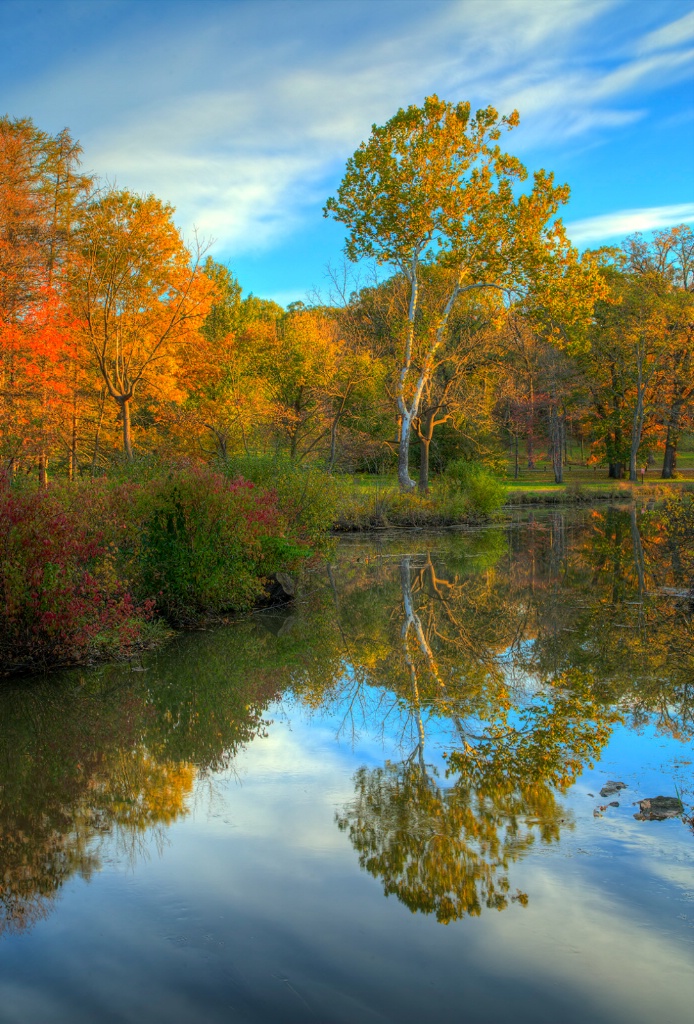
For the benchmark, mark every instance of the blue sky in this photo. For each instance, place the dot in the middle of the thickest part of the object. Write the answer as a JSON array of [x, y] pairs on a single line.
[[241, 113]]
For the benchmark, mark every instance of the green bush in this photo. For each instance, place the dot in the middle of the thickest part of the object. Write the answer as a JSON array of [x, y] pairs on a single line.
[[483, 492], [307, 497], [209, 544], [84, 567], [383, 507]]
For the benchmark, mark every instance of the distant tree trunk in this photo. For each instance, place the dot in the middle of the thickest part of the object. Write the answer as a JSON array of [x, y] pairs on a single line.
[[124, 403], [669, 461], [671, 441], [220, 441], [333, 444], [556, 428], [43, 471], [530, 448], [426, 432], [424, 444], [636, 430], [333, 429], [97, 436], [615, 470], [72, 455]]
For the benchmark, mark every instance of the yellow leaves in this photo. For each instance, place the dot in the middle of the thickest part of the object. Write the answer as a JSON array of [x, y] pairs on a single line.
[[138, 292], [141, 791], [423, 177]]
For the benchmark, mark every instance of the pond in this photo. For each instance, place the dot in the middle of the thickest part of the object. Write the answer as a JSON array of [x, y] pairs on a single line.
[[381, 803]]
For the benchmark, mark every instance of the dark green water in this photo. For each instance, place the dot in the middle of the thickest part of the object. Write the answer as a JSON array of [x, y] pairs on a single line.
[[380, 804]]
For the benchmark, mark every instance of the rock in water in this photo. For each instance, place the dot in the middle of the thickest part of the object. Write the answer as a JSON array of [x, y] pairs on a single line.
[[287, 583], [658, 808], [612, 787]]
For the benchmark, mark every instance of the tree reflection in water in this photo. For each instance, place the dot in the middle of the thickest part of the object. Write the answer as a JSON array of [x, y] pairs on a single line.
[[530, 663], [94, 767], [512, 652], [446, 850]]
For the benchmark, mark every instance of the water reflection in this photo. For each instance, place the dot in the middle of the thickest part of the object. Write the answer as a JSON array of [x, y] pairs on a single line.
[[440, 850], [447, 850], [492, 665], [96, 766]]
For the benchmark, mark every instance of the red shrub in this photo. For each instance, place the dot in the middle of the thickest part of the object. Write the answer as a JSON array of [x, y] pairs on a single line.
[[60, 595]]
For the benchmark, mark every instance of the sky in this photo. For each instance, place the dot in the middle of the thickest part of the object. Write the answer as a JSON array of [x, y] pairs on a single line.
[[242, 113]]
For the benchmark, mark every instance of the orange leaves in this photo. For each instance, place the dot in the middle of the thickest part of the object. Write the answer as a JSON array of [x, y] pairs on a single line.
[[39, 351], [140, 296]]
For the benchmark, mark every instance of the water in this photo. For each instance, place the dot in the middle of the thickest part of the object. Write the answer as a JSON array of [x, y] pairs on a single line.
[[381, 804]]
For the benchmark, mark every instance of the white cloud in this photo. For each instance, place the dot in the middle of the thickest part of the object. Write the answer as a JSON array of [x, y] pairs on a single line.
[[659, 68], [592, 930], [675, 34], [284, 99], [626, 222]]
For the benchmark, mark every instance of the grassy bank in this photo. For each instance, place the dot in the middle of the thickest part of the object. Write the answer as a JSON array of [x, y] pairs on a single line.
[[590, 483], [375, 502], [587, 492], [467, 493]]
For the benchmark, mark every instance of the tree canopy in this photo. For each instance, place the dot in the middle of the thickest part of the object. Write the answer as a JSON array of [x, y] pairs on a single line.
[[482, 334]]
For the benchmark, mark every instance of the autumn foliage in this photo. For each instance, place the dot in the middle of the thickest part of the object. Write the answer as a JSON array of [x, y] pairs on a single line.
[[83, 570], [63, 599], [487, 332], [128, 353]]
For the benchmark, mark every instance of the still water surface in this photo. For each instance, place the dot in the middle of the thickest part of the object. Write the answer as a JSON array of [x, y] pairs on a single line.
[[380, 804]]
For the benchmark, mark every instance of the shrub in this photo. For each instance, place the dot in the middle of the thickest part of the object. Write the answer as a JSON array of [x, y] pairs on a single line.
[[307, 496], [63, 599], [483, 491], [209, 543], [84, 566], [383, 507]]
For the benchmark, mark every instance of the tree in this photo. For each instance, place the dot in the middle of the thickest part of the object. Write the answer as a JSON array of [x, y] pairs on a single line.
[[433, 186], [639, 328], [226, 406], [460, 389], [297, 367], [666, 264], [139, 294], [41, 196]]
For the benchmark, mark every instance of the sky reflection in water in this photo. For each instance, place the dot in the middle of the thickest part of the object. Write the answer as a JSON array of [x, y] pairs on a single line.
[[184, 844]]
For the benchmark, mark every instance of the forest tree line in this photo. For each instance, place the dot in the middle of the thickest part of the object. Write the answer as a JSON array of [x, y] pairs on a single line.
[[477, 332]]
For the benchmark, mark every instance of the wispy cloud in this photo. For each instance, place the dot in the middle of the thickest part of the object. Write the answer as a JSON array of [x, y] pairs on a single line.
[[676, 33], [291, 88], [627, 222]]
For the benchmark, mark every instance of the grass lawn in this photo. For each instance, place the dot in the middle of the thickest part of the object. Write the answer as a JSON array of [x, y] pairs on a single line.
[[534, 483]]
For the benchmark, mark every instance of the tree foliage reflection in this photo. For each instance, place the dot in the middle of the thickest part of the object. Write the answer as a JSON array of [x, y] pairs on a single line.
[[520, 669], [493, 664]]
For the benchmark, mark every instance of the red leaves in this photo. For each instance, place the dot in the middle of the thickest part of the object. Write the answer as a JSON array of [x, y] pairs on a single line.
[[61, 599], [80, 566]]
